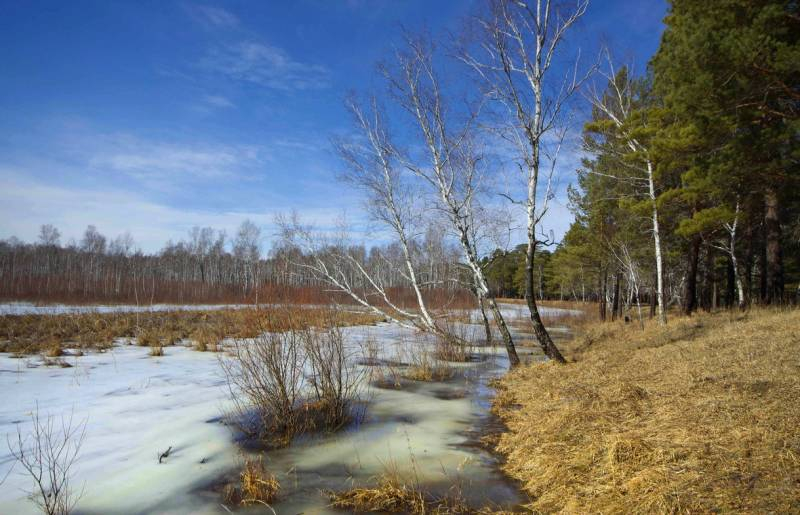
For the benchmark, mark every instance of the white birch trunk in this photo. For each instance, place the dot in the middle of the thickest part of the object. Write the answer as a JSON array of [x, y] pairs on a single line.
[[662, 310]]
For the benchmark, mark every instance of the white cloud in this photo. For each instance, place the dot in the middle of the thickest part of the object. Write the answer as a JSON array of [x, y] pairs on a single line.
[[214, 16], [267, 65], [27, 203]]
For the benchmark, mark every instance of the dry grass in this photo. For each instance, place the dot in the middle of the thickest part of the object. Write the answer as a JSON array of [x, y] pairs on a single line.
[[428, 371], [207, 338], [156, 350], [256, 485], [30, 334], [423, 366], [698, 417], [390, 494], [394, 493], [149, 337], [387, 376], [584, 316], [53, 350]]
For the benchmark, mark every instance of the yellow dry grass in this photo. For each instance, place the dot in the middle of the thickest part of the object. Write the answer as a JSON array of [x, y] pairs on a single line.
[[256, 485], [701, 416], [393, 493], [428, 372], [389, 495]]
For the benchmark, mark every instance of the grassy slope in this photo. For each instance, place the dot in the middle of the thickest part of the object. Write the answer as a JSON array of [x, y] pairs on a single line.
[[701, 416]]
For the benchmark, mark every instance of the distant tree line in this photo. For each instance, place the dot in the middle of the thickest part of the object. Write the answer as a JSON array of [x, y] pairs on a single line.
[[207, 266]]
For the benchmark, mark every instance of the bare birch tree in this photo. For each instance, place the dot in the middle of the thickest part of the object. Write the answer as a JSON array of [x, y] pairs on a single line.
[[633, 274], [372, 166], [730, 248], [513, 60], [451, 164], [330, 260]]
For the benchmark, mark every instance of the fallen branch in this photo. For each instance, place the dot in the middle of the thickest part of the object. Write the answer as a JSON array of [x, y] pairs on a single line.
[[164, 454]]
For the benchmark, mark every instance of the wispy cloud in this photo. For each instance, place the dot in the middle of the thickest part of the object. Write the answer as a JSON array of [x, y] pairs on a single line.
[[266, 65], [217, 101], [213, 17], [242, 55], [170, 161]]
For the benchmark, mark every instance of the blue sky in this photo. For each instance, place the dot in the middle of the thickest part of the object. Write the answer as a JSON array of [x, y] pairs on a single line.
[[156, 116]]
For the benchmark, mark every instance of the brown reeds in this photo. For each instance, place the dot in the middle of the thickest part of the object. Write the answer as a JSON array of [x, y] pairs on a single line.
[[28, 334]]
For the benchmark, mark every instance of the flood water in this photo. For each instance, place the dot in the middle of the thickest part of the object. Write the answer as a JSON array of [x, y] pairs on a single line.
[[135, 406], [425, 431]]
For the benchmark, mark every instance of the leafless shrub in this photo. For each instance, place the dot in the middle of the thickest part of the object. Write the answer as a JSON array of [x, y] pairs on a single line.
[[265, 376], [383, 371], [335, 377], [370, 352], [389, 375], [47, 454], [275, 400]]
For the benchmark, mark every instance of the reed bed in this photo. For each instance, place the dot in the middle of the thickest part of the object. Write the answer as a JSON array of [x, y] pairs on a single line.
[[30, 334]]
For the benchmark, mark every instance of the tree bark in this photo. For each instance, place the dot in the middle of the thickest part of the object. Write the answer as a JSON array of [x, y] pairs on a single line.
[[513, 359], [748, 265], [762, 270], [542, 336], [690, 287], [487, 327], [615, 308], [708, 298], [730, 287], [775, 284], [662, 295], [602, 300]]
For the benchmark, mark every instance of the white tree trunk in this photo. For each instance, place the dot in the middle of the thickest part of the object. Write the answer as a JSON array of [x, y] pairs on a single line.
[[662, 310]]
